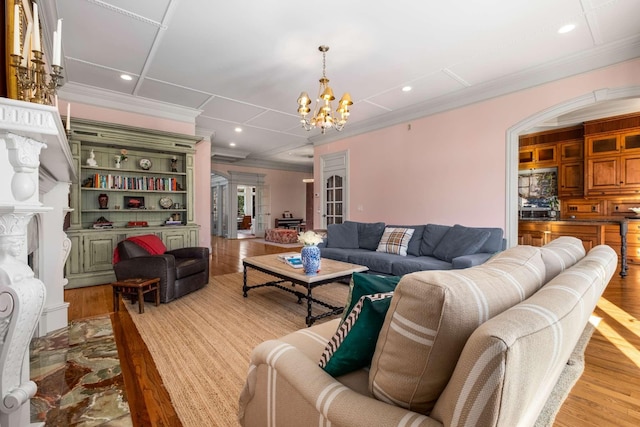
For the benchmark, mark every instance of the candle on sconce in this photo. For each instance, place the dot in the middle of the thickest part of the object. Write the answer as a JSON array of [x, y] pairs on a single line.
[[36, 29], [16, 31], [57, 44], [68, 116], [26, 46]]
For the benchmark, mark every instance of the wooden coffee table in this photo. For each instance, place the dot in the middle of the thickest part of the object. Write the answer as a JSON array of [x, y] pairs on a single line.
[[330, 271]]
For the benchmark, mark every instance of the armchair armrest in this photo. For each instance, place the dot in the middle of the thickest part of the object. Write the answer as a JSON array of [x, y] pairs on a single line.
[[466, 261], [301, 393], [193, 252]]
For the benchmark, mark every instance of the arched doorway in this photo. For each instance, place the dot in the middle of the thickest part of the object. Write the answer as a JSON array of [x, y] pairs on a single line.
[[512, 143]]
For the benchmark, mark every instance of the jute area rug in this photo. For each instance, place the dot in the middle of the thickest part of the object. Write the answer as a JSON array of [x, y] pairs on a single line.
[[201, 343]]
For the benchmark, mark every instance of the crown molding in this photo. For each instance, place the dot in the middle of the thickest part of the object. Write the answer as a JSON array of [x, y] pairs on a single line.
[[74, 92], [265, 164], [586, 61]]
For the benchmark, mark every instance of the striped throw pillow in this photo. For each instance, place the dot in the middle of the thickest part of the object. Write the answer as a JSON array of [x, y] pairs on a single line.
[[353, 344], [395, 240]]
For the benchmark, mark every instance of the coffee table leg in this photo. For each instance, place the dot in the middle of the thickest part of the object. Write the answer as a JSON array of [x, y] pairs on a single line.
[[157, 294], [244, 280], [309, 320]]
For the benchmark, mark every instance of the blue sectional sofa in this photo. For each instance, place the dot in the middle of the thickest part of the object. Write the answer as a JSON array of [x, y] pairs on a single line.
[[401, 249]]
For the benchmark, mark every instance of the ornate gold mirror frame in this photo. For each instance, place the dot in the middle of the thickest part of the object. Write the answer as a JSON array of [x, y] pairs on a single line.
[[12, 26]]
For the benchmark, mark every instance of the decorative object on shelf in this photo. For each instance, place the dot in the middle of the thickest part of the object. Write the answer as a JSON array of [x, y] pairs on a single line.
[[166, 203], [122, 157], [30, 71], [88, 183], [174, 164], [137, 224], [102, 222], [635, 210], [91, 161], [323, 116], [176, 206], [103, 201], [310, 252], [134, 202], [145, 164]]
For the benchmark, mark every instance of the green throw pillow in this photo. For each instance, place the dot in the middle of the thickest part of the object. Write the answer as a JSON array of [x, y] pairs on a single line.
[[367, 284], [354, 343]]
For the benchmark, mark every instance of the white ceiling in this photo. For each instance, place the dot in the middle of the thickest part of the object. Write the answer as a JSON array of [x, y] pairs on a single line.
[[244, 63]]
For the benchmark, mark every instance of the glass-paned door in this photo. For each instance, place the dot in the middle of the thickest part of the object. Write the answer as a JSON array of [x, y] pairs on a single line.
[[335, 194], [334, 191], [262, 209]]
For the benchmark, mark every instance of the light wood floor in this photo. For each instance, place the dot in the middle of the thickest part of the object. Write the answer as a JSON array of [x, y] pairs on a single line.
[[608, 393]]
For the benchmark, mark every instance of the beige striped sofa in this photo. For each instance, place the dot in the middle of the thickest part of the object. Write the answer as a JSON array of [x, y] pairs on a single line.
[[482, 346]]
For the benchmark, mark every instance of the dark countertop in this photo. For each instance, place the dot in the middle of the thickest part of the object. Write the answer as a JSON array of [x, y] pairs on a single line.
[[588, 221]]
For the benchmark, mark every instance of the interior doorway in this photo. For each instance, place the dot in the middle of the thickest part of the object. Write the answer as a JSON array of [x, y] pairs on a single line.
[[246, 211]]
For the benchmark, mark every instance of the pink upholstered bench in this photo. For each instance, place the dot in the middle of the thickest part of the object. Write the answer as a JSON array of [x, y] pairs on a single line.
[[281, 235]]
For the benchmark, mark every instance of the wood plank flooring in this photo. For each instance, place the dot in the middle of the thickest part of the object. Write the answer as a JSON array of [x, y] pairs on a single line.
[[607, 394]]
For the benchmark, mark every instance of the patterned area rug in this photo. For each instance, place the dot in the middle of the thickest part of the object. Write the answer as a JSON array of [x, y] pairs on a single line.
[[79, 370], [201, 343]]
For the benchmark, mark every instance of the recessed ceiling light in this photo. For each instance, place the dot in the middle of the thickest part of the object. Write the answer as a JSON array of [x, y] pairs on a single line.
[[406, 89], [232, 144], [566, 28], [238, 129], [126, 77]]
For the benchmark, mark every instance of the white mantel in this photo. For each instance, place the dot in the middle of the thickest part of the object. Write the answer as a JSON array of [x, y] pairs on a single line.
[[36, 169]]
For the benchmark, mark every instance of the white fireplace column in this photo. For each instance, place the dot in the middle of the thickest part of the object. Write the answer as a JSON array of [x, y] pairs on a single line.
[[33, 150]]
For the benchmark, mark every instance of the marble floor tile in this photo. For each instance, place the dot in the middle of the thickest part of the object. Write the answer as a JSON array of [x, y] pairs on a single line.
[[79, 379]]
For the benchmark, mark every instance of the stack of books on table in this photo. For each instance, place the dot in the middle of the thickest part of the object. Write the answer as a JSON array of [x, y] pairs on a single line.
[[294, 260]]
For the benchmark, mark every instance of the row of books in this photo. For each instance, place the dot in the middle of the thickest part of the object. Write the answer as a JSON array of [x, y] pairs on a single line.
[[120, 182]]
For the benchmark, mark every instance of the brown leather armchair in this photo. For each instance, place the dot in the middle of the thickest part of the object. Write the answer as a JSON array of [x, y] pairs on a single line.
[[181, 271]]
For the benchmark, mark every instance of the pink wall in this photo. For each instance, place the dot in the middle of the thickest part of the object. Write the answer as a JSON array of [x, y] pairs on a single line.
[[451, 167], [287, 191]]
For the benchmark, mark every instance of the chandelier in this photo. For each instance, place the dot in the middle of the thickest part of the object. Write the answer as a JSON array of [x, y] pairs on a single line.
[[323, 115]]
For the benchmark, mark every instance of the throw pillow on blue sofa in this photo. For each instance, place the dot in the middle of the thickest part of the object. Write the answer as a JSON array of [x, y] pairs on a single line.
[[343, 236], [459, 241]]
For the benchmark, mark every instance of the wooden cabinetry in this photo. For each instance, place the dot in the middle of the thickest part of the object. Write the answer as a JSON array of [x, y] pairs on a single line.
[[571, 169], [149, 193], [613, 163], [539, 233], [538, 156]]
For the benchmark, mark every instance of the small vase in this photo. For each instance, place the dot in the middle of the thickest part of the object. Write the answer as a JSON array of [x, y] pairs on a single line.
[[310, 255], [103, 201], [117, 162]]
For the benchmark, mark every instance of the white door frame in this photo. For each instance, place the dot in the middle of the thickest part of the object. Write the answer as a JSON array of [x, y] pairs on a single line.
[[331, 164]]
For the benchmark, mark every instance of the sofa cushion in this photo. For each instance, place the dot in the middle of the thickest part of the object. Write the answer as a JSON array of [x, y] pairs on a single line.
[[460, 240], [494, 242], [432, 235], [343, 235], [378, 262], [560, 254], [416, 239], [366, 284], [409, 264], [369, 234], [536, 336], [395, 240], [432, 315], [352, 346]]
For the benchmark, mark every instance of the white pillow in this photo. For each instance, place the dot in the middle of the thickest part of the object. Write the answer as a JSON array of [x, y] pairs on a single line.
[[395, 240]]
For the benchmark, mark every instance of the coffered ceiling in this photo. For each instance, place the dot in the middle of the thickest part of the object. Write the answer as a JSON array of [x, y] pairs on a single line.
[[242, 64]]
